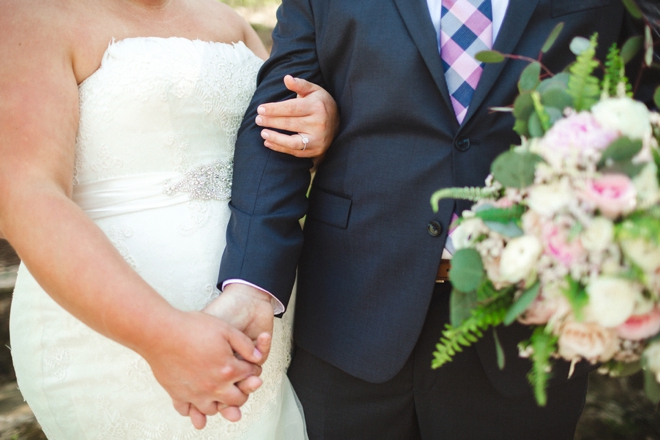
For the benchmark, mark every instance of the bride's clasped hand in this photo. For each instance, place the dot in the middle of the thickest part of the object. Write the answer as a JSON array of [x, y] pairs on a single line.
[[118, 121]]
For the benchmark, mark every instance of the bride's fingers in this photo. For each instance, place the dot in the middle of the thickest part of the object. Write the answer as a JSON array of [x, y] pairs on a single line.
[[291, 144], [197, 417], [231, 413], [182, 408], [244, 346], [249, 385]]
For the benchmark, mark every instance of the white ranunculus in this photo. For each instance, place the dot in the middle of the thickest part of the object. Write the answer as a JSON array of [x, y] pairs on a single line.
[[642, 253], [519, 258], [646, 184], [598, 235], [466, 234], [652, 359], [627, 116], [547, 200], [611, 301]]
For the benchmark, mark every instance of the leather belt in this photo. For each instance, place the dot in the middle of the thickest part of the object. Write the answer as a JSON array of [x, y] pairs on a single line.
[[443, 271]]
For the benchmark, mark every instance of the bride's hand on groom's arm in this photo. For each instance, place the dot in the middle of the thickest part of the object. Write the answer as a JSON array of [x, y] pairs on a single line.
[[313, 113]]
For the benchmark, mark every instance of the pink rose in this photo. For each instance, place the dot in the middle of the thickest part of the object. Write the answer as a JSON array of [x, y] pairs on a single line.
[[612, 194], [543, 309], [587, 340], [639, 327], [557, 245]]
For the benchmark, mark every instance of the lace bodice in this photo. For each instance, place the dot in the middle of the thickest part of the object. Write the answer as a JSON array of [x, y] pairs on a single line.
[[162, 104]]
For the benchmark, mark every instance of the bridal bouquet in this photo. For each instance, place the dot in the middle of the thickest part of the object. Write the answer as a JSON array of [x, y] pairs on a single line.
[[565, 235]]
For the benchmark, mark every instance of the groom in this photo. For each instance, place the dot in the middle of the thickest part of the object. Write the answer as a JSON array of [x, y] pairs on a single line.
[[414, 119]]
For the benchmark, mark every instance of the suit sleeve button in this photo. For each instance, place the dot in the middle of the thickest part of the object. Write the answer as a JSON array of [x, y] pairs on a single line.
[[434, 228]]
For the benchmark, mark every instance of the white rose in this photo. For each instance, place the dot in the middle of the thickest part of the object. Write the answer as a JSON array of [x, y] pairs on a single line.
[[627, 116], [466, 234], [652, 359], [642, 253], [547, 200], [519, 258], [587, 340], [598, 235], [611, 301], [646, 184]]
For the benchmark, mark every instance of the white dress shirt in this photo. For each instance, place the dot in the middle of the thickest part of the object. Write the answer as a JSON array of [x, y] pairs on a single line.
[[435, 8]]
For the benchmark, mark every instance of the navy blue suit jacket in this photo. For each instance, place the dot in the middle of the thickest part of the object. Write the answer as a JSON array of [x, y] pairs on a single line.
[[366, 259]]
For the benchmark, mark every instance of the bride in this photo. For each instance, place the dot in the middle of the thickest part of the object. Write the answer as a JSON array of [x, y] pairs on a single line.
[[117, 126]]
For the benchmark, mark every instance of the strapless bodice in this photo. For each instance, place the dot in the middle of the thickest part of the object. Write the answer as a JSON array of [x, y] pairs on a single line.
[[162, 105]]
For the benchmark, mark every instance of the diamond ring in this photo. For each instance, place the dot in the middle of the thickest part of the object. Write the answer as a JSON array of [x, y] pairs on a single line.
[[305, 141]]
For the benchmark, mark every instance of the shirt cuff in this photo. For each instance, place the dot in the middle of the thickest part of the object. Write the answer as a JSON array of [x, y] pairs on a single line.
[[276, 303]]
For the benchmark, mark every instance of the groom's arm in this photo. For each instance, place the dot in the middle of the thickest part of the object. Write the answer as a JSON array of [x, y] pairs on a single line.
[[264, 237]]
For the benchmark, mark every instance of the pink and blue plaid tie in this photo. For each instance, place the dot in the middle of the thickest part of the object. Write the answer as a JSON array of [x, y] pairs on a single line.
[[466, 27]]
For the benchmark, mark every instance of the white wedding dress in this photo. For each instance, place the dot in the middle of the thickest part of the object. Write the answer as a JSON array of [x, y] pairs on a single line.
[[158, 122]]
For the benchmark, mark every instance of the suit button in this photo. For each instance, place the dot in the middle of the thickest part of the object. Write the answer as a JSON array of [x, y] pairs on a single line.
[[434, 228], [462, 144]]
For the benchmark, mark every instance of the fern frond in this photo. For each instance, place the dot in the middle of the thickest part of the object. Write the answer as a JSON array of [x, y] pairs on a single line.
[[543, 345], [582, 85], [473, 194], [614, 79], [470, 330]]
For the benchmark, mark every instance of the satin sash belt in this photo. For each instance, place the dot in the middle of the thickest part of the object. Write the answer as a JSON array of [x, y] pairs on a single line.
[[123, 195]]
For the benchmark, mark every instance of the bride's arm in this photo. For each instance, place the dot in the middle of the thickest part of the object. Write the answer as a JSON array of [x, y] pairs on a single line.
[[70, 257]]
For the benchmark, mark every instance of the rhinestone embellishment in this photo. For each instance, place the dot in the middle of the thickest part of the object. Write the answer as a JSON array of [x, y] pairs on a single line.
[[206, 182]]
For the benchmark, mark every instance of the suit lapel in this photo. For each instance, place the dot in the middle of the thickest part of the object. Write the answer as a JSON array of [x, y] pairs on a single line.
[[517, 15], [415, 14]]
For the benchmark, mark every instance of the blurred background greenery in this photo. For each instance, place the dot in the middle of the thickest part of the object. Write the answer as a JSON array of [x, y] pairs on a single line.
[[616, 408]]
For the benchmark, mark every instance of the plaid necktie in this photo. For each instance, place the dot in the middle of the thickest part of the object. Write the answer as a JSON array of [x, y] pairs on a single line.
[[466, 27]]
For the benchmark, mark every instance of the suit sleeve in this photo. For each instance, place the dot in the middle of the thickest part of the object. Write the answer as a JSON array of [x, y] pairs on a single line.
[[264, 237]]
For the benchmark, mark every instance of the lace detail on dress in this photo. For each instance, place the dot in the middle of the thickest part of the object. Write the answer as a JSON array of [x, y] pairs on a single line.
[[206, 182]]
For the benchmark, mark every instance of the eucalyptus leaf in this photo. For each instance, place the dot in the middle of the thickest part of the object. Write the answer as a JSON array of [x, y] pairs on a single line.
[[621, 149], [535, 126], [523, 106], [521, 127], [631, 47], [579, 45], [501, 360], [552, 37], [525, 300], [529, 78], [511, 229], [557, 98], [624, 167], [651, 387], [632, 8], [467, 269], [489, 56], [656, 97], [515, 169], [460, 306], [648, 46], [555, 114]]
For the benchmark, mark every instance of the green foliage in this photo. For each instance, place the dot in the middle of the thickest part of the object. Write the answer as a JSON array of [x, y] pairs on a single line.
[[467, 269], [489, 56], [521, 304], [541, 112], [576, 296], [615, 73], [499, 350], [651, 387], [633, 9], [515, 169], [529, 78], [552, 37], [455, 338], [543, 345], [621, 149], [469, 193], [461, 305], [656, 97], [582, 85], [500, 215], [631, 47], [645, 227]]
